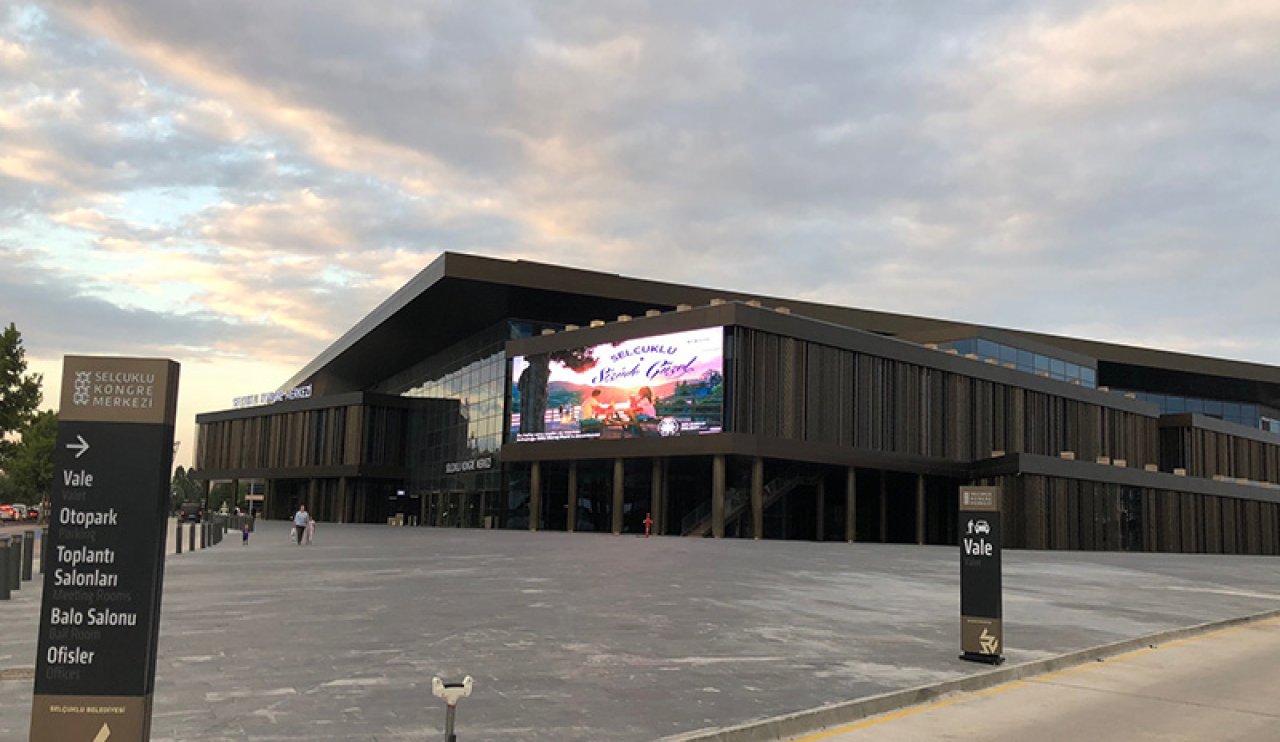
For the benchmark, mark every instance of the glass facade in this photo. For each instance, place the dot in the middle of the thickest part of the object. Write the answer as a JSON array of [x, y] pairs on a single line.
[[1024, 360], [456, 433], [1240, 413]]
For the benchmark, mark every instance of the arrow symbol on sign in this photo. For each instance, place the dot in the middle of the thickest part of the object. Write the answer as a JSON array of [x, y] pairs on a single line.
[[80, 447], [990, 644], [103, 734]]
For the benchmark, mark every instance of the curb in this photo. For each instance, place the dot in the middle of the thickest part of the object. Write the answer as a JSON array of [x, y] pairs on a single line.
[[845, 712]]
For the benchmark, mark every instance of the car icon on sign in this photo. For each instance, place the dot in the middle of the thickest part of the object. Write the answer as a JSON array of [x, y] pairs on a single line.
[[982, 527]]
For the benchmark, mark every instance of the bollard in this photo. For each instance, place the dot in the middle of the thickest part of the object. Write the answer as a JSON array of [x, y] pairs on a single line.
[[15, 562], [451, 693], [191, 538], [28, 553], [44, 547], [4, 567], [177, 537]]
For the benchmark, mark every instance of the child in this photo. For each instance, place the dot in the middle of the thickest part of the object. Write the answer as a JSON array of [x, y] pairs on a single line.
[[244, 534]]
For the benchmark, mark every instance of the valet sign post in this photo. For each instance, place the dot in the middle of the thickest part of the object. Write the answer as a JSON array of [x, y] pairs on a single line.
[[981, 603], [100, 618]]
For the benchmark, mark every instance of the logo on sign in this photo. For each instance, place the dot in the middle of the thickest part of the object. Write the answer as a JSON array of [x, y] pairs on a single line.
[[81, 394]]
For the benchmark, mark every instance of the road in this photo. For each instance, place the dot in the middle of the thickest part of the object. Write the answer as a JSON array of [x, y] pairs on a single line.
[[1217, 686]]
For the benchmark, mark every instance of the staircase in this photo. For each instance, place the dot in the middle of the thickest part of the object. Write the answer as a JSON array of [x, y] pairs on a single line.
[[737, 502]]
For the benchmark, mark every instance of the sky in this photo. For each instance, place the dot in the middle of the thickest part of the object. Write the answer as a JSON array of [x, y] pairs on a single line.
[[233, 185]]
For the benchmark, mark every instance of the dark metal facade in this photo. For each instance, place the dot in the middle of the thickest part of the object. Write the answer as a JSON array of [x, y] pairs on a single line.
[[834, 428]]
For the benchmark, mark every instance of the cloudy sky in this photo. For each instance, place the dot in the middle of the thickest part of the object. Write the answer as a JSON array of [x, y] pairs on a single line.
[[233, 184]]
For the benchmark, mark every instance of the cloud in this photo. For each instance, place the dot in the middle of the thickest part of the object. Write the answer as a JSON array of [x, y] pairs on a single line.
[[264, 173]]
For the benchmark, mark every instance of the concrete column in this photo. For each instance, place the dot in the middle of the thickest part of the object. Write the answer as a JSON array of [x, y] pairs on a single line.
[[717, 496], [266, 497], [666, 497], [884, 507], [757, 498], [535, 495], [655, 495], [919, 508], [619, 471], [821, 497], [342, 500], [851, 505], [235, 494], [572, 515]]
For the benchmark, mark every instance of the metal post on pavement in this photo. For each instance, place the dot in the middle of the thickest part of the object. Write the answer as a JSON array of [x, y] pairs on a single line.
[[28, 553], [191, 538], [177, 536], [15, 561], [4, 567], [451, 693], [44, 547]]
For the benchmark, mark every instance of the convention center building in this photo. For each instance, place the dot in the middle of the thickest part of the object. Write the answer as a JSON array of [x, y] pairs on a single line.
[[492, 393]]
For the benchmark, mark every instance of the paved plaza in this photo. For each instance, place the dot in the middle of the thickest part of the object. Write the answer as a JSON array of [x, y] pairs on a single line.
[[596, 637]]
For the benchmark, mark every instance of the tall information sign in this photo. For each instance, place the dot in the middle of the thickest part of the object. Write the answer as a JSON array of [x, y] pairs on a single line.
[[981, 602], [100, 618]]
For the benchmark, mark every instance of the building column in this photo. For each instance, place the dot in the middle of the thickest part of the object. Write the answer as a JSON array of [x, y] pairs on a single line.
[[342, 501], [757, 498], [884, 506], [535, 495], [666, 496], [235, 492], [851, 505], [821, 497], [655, 495], [311, 494], [571, 518], [266, 497], [618, 473], [717, 496], [919, 508]]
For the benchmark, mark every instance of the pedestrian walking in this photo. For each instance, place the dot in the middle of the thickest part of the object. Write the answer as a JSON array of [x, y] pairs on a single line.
[[311, 529], [300, 521], [244, 533]]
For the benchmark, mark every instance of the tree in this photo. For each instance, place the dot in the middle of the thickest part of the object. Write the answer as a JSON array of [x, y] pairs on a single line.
[[19, 391], [29, 469], [184, 488]]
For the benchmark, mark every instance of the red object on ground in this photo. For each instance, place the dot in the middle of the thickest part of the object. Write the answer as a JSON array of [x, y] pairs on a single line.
[[648, 521]]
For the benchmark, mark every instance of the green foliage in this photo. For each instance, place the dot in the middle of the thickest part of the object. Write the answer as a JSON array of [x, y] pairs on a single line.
[[184, 488], [29, 468], [19, 391]]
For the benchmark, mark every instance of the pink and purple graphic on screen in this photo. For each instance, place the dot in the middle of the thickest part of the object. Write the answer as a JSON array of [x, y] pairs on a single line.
[[658, 386]]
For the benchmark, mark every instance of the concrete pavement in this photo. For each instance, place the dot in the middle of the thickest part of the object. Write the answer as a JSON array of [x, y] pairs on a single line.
[[592, 637], [1214, 686]]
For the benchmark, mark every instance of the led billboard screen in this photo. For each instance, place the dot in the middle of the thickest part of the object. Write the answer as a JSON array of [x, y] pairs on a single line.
[[659, 386]]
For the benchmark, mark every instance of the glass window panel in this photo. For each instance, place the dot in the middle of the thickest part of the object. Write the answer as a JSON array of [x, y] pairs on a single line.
[[1057, 368], [1026, 360], [1073, 371], [965, 347], [1213, 407], [1175, 404], [988, 349], [1008, 354], [1042, 362], [1232, 410], [1195, 405]]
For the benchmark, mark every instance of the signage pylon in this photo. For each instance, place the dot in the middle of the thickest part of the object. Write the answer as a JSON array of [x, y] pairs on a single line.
[[981, 602], [100, 616]]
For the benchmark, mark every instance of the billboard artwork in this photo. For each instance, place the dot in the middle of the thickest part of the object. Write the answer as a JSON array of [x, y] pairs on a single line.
[[660, 386]]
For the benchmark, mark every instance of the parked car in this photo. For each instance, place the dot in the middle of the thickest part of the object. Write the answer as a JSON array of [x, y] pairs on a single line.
[[20, 510], [33, 513], [7, 512], [191, 511]]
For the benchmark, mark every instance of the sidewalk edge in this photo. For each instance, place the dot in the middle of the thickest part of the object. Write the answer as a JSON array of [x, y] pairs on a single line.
[[845, 712]]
